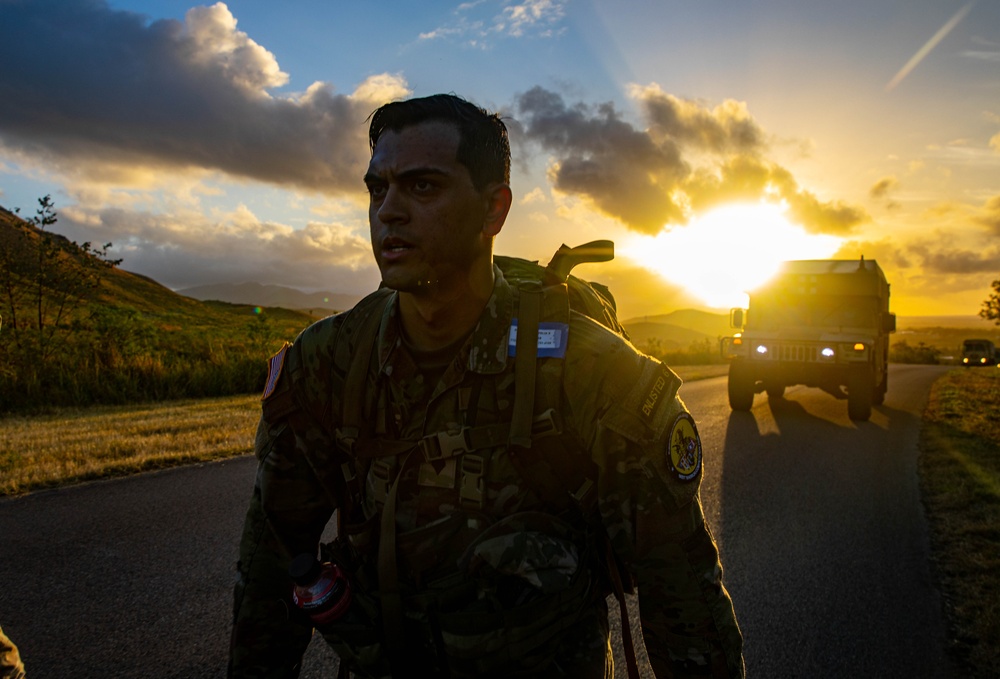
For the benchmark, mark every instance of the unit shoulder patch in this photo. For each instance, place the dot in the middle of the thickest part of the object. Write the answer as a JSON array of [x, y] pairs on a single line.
[[274, 367], [684, 454]]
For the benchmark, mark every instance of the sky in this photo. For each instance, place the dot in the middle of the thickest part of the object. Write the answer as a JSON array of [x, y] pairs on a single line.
[[710, 139]]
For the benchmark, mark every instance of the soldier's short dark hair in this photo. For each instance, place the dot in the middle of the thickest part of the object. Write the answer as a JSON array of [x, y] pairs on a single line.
[[483, 146]]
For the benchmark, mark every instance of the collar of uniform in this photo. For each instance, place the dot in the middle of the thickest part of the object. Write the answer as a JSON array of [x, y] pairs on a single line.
[[486, 347], [389, 337]]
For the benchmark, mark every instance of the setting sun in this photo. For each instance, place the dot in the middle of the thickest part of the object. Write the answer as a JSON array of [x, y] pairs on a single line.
[[728, 251]]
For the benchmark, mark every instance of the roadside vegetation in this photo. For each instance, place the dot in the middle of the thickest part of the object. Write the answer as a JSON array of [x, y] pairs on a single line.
[[75, 330], [960, 486], [73, 445]]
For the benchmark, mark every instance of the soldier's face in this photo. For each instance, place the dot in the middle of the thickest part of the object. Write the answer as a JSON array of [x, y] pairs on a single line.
[[428, 221]]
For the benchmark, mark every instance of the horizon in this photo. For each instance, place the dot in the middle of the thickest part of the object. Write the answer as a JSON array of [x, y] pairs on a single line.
[[708, 145]]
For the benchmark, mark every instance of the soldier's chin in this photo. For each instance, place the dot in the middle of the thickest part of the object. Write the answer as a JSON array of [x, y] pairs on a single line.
[[413, 286]]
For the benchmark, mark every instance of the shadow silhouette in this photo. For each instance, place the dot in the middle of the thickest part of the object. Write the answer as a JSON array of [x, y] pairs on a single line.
[[821, 536]]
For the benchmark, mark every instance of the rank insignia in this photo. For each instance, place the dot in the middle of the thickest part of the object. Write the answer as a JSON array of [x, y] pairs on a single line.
[[274, 366], [684, 448]]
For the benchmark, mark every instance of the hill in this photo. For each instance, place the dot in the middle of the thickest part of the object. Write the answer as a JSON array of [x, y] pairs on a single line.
[[20, 240], [678, 329], [259, 294], [79, 331]]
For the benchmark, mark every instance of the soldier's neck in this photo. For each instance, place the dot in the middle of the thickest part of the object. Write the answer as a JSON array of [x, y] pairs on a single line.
[[434, 321]]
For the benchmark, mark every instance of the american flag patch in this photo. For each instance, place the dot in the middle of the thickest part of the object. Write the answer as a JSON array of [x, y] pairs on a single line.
[[274, 366]]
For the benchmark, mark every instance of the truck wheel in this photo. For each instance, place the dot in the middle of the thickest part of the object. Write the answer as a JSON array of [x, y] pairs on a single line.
[[741, 382], [774, 390], [881, 389], [860, 393]]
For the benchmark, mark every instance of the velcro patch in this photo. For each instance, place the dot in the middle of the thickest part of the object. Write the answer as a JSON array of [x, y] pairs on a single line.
[[683, 452], [274, 367]]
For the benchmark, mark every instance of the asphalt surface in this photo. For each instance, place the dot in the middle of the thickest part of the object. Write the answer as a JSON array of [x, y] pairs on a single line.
[[819, 520]]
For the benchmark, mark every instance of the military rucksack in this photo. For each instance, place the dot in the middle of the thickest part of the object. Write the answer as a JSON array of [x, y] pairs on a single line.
[[587, 297], [563, 486]]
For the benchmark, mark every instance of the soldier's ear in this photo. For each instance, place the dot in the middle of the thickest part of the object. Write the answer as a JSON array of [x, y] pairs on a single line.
[[498, 199]]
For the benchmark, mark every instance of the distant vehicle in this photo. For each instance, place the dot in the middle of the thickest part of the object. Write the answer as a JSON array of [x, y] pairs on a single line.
[[821, 323], [979, 352]]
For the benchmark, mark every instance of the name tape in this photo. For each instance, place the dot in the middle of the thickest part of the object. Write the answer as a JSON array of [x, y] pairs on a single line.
[[552, 339]]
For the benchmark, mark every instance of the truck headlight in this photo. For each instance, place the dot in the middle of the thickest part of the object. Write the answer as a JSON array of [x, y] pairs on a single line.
[[762, 350], [828, 352]]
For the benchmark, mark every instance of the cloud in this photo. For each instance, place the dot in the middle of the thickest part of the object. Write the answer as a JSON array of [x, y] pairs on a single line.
[[478, 23], [980, 55], [942, 258], [689, 158], [728, 127], [190, 248], [104, 96], [886, 252], [995, 142], [929, 268], [990, 215], [531, 14], [883, 187]]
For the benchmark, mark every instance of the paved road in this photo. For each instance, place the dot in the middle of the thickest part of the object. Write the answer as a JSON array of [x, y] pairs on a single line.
[[822, 531], [819, 520]]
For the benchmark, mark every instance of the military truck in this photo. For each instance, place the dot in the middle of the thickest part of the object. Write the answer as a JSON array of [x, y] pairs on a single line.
[[821, 323], [979, 352]]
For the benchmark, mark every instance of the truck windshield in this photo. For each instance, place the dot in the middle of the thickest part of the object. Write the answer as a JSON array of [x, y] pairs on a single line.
[[819, 311]]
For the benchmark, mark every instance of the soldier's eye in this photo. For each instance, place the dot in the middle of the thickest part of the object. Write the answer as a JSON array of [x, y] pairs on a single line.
[[376, 191]]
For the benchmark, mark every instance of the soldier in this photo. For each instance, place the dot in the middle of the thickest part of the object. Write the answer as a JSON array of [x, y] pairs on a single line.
[[11, 666], [490, 492]]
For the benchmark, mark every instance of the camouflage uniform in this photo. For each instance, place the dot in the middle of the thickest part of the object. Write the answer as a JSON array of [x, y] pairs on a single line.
[[469, 520], [10, 660]]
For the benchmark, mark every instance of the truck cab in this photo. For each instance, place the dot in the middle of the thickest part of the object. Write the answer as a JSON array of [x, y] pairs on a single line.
[[979, 353], [819, 323]]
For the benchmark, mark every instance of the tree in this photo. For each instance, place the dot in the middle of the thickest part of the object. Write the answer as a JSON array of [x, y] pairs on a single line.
[[46, 283], [902, 352], [991, 305]]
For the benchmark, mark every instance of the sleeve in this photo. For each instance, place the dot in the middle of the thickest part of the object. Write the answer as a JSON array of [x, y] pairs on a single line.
[[11, 666], [650, 455], [288, 512]]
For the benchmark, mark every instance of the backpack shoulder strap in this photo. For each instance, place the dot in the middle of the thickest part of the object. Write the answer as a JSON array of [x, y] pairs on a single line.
[[362, 337], [536, 469]]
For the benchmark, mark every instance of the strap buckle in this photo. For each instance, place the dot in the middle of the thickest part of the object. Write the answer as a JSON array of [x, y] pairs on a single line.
[[444, 444], [546, 423]]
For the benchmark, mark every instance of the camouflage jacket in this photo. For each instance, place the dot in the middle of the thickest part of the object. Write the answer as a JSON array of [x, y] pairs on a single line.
[[11, 666], [618, 413]]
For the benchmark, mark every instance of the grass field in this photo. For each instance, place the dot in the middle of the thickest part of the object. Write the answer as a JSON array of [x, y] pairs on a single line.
[[959, 467], [78, 445], [960, 485]]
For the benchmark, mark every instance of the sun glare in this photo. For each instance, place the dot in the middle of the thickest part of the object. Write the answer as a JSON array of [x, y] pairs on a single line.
[[722, 254]]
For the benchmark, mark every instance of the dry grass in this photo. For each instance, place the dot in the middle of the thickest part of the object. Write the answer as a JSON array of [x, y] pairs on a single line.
[[81, 444], [960, 483], [75, 445]]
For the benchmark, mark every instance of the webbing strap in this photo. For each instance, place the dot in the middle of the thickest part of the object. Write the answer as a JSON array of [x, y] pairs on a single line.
[[357, 372], [388, 572], [525, 357], [535, 470]]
